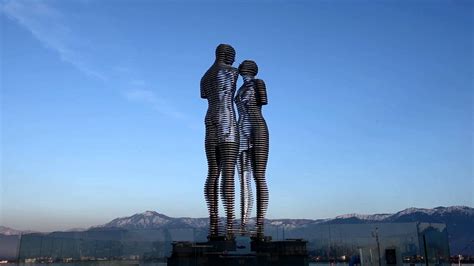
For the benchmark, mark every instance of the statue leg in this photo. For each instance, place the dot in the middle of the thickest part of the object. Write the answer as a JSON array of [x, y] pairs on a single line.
[[211, 186], [245, 174], [228, 157], [259, 163], [241, 172]]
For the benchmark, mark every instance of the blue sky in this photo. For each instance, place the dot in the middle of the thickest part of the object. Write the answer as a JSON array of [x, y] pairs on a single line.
[[370, 106]]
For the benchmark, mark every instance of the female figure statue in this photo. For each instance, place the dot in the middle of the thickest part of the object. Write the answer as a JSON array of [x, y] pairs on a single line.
[[254, 140]]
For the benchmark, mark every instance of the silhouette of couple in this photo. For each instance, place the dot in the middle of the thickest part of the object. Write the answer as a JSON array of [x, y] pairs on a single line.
[[231, 141]]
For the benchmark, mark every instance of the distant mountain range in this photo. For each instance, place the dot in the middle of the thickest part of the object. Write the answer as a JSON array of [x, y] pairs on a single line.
[[459, 220], [152, 219]]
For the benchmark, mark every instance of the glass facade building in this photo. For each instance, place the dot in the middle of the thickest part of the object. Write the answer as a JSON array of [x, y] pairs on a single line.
[[369, 244], [364, 244]]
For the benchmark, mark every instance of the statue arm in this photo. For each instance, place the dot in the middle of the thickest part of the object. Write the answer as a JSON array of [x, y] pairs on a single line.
[[261, 92]]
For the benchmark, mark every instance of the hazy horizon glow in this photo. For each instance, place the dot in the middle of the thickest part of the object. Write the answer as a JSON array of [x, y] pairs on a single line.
[[370, 106]]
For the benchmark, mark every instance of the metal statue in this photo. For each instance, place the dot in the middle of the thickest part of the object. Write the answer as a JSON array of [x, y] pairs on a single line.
[[218, 86], [254, 144]]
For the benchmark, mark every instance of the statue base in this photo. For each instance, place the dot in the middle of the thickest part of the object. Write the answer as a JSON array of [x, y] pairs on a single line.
[[240, 251]]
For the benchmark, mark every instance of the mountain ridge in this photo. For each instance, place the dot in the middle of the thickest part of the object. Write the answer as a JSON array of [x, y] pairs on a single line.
[[404, 215]]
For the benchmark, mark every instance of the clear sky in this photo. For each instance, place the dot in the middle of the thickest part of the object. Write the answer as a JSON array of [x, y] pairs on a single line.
[[370, 105]]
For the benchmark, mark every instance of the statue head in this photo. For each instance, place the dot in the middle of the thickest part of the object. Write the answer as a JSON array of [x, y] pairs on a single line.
[[225, 54], [248, 68]]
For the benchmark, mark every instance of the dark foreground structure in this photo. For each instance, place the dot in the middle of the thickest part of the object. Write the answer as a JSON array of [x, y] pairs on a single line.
[[230, 252]]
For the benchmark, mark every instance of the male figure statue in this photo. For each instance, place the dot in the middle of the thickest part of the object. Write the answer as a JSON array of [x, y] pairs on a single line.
[[218, 86]]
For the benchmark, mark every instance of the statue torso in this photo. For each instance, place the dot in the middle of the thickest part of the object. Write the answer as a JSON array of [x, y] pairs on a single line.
[[250, 115], [219, 83]]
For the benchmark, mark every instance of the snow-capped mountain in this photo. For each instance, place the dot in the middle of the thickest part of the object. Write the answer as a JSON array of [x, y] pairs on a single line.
[[152, 220], [366, 217], [148, 219], [438, 212], [6, 231]]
